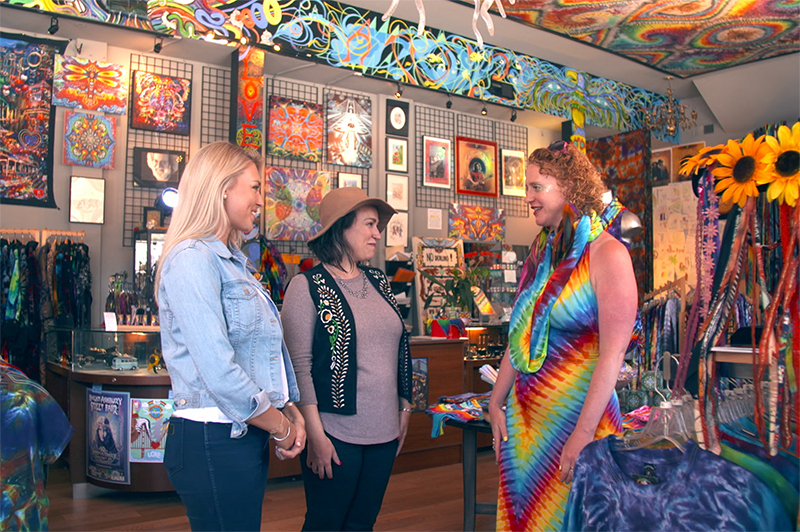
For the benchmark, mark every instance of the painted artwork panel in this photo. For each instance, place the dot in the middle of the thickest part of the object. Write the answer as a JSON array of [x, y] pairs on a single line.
[[295, 129], [477, 224], [476, 167], [90, 85], [349, 130], [160, 103], [437, 166], [291, 202], [89, 140], [247, 75], [27, 120], [149, 419], [397, 230]]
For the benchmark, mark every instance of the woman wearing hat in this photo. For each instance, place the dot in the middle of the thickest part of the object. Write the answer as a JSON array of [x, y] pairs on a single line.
[[349, 348]]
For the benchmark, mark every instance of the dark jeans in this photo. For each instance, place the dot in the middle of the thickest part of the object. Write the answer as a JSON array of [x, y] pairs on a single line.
[[221, 480], [351, 499]]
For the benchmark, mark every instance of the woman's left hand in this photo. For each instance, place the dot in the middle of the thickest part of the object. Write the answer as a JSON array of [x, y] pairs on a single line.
[[405, 418], [293, 414], [569, 454]]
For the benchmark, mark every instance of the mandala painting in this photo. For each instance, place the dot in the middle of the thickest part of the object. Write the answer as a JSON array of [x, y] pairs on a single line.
[[291, 202], [295, 129], [160, 103], [477, 224], [89, 140], [349, 130], [91, 85]]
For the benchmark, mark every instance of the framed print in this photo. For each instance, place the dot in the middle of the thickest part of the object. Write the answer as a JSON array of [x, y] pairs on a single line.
[[660, 167], [157, 168], [397, 191], [349, 180], [89, 140], [87, 197], [513, 172], [476, 167], [397, 118], [397, 230], [679, 153], [153, 217], [160, 103], [396, 155], [349, 126], [436, 161], [295, 129]]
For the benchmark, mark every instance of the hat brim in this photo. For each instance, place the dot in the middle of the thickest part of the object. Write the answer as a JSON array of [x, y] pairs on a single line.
[[385, 213]]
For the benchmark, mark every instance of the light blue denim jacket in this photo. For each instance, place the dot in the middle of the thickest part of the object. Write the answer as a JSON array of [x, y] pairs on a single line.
[[221, 340]]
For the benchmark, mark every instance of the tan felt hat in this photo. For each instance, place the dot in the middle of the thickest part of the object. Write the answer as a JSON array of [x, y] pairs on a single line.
[[342, 201]]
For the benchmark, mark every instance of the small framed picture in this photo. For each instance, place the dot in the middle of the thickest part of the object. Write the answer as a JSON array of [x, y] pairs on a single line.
[[397, 191], [396, 155], [87, 197], [660, 167], [436, 162], [513, 172], [153, 167], [397, 230], [349, 180], [153, 217], [476, 167]]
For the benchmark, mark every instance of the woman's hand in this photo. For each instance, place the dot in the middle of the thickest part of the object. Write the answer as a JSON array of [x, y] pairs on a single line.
[[291, 447], [569, 454], [497, 417], [405, 419], [321, 457]]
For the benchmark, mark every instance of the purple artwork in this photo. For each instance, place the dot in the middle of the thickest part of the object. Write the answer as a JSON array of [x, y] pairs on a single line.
[[89, 140]]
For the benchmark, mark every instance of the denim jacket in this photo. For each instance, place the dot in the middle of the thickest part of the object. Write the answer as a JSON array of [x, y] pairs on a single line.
[[221, 340]]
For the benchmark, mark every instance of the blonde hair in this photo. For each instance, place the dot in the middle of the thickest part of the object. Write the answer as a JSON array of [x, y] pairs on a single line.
[[576, 175], [200, 211]]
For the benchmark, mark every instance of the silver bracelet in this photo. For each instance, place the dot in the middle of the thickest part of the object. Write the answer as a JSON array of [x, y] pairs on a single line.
[[288, 431], [406, 409]]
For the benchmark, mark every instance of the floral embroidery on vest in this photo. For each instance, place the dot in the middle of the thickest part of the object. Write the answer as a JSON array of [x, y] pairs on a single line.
[[332, 316]]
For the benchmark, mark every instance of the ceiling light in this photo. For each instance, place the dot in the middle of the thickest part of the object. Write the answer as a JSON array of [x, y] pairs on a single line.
[[484, 111], [513, 115], [399, 92], [53, 29], [158, 45], [276, 47], [449, 103], [668, 116]]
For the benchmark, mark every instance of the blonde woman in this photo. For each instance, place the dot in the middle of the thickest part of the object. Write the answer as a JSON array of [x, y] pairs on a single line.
[[222, 340]]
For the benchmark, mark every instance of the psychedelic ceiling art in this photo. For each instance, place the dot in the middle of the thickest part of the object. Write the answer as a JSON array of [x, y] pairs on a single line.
[[26, 120], [160, 103], [476, 224], [89, 140], [349, 130], [295, 129], [91, 85], [291, 202]]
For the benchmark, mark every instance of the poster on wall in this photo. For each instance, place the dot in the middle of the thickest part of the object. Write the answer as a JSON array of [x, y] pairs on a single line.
[[476, 167], [90, 85], [419, 384], [295, 129], [674, 228], [87, 196], [436, 161], [476, 224], [89, 140], [160, 103], [149, 419], [107, 431], [661, 167], [513, 172], [436, 256], [349, 130], [27, 120]]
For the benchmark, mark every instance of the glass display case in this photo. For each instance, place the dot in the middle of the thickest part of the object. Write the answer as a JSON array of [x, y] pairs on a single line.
[[99, 350]]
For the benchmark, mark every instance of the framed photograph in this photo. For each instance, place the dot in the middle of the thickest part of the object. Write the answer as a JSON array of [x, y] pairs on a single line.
[[476, 167], [679, 153], [397, 191], [153, 217], [87, 196], [660, 167], [157, 168], [513, 172], [396, 155], [160, 103], [436, 162], [349, 180]]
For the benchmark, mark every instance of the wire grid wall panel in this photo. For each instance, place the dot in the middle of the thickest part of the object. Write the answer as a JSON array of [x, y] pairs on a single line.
[[216, 109], [439, 123], [510, 137], [136, 197]]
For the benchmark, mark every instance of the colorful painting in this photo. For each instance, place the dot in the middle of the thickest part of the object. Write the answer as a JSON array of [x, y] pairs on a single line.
[[27, 120], [513, 172], [295, 129], [247, 75], [349, 130], [476, 224], [160, 103], [149, 422], [291, 202], [661, 167], [89, 140], [436, 161], [476, 167], [396, 155], [90, 85]]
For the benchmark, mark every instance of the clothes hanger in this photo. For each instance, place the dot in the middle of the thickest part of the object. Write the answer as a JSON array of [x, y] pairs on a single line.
[[665, 425]]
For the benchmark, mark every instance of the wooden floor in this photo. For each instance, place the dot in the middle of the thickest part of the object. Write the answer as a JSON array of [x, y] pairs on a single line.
[[425, 500]]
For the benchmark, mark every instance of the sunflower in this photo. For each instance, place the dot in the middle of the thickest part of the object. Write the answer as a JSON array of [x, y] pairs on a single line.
[[783, 162], [741, 169], [700, 159]]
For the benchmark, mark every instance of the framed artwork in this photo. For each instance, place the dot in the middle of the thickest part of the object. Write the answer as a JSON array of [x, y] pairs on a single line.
[[679, 153], [397, 191], [87, 197], [295, 129], [475, 223], [349, 180], [513, 172], [89, 140], [349, 122], [157, 168], [397, 118], [396, 155], [153, 217], [92, 85], [160, 103], [247, 107], [660, 167], [291, 202], [397, 230], [436, 161], [476, 167]]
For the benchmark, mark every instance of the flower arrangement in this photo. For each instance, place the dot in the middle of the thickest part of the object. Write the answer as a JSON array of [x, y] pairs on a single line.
[[741, 167]]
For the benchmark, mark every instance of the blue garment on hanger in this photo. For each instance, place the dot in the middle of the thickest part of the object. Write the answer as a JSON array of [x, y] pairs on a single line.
[[786, 464]]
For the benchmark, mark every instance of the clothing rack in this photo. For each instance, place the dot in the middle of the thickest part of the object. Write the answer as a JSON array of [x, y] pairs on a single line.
[[47, 233], [680, 288], [33, 234]]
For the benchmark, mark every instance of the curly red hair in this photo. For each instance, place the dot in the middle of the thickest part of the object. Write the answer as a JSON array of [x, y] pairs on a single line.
[[576, 175]]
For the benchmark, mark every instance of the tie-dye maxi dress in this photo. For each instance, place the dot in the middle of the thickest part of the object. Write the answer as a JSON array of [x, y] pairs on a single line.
[[543, 408]]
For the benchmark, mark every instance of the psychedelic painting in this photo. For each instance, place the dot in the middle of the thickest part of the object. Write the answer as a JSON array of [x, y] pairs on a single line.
[[291, 202], [91, 85], [476, 224], [149, 422], [349, 130], [160, 103], [89, 140], [295, 129], [27, 120], [247, 75], [476, 167]]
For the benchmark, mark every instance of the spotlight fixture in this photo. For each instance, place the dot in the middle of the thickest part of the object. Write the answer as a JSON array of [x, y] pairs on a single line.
[[484, 111], [158, 45], [53, 29], [167, 200], [449, 103], [276, 47], [399, 92], [513, 115]]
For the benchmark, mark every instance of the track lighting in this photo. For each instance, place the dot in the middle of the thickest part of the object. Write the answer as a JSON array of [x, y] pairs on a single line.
[[513, 115], [399, 92], [53, 29], [484, 111], [449, 103], [159, 44]]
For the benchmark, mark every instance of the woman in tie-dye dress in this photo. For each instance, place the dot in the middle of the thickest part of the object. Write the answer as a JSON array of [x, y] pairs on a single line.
[[569, 331]]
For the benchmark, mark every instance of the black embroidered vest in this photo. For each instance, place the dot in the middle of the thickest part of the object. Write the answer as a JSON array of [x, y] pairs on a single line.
[[333, 367]]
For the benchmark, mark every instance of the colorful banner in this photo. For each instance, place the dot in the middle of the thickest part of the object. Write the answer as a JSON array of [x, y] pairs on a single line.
[[107, 430], [247, 75]]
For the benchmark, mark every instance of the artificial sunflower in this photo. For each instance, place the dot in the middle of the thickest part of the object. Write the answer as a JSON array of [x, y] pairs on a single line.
[[783, 162], [702, 158], [741, 169]]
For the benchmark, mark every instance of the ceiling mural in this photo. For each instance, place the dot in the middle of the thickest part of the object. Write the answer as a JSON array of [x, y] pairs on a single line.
[[680, 37]]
